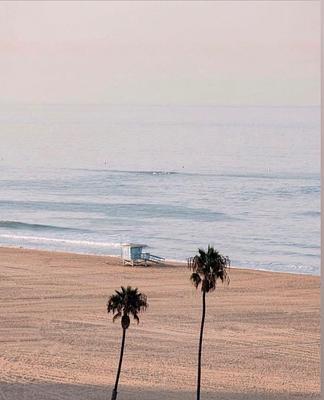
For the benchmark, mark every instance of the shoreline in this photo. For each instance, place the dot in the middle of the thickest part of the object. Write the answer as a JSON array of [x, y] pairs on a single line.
[[169, 262]]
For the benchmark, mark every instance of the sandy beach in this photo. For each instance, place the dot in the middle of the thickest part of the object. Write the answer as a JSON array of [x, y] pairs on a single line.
[[262, 334]]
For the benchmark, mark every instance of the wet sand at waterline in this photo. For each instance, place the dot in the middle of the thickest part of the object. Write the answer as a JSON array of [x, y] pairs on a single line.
[[261, 338]]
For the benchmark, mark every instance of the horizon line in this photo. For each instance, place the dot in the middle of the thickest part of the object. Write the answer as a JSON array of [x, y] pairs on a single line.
[[158, 104]]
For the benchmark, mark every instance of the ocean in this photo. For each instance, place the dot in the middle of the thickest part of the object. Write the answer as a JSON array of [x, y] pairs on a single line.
[[86, 178]]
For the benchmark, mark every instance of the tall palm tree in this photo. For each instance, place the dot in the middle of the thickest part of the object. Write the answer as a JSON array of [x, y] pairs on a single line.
[[123, 303], [207, 267]]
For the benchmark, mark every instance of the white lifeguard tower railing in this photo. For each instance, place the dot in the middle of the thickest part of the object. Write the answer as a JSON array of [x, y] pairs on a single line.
[[132, 254]]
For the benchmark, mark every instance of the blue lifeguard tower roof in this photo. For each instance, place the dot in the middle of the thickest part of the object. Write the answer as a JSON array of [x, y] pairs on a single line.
[[134, 245]]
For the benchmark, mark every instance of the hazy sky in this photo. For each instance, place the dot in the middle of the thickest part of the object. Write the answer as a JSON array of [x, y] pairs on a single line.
[[221, 52]]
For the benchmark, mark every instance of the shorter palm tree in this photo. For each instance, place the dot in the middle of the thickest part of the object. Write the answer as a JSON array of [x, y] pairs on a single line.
[[207, 267], [123, 303]]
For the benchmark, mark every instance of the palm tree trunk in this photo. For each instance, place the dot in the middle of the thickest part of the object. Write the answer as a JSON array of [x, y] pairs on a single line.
[[114, 392], [200, 342]]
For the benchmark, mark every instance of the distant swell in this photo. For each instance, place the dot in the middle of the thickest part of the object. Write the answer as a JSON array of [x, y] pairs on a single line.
[[152, 172], [32, 227], [126, 210]]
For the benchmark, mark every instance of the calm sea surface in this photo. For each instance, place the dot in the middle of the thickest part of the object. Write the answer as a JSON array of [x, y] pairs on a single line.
[[87, 178]]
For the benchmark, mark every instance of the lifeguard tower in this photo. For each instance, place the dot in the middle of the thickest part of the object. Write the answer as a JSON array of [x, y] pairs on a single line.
[[132, 254]]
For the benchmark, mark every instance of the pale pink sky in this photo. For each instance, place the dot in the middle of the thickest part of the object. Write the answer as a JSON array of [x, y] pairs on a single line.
[[221, 52]]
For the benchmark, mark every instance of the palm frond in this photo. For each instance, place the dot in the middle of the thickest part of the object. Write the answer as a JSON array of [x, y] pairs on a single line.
[[116, 316], [127, 301], [136, 317], [209, 266], [195, 279]]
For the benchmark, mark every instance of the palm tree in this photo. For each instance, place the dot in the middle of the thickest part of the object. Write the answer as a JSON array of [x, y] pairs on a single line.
[[125, 302], [206, 268]]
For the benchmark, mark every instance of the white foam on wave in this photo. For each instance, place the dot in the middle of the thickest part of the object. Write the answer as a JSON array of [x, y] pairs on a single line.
[[302, 269], [66, 241]]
